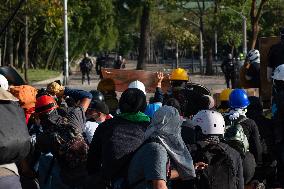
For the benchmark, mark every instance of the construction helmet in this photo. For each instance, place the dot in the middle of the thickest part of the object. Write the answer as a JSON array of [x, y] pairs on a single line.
[[4, 83], [179, 74], [254, 56], [238, 99], [138, 85], [210, 122], [97, 95], [224, 95], [45, 104], [278, 73]]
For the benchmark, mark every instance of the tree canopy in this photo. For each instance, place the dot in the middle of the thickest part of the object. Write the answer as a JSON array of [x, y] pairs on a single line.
[[116, 25]]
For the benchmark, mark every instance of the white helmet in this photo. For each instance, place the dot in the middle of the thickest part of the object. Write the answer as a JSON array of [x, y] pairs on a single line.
[[254, 56], [4, 83], [278, 73], [210, 122], [138, 85]]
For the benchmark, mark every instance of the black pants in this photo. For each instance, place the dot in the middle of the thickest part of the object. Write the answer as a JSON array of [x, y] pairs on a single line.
[[248, 167], [88, 76], [230, 77]]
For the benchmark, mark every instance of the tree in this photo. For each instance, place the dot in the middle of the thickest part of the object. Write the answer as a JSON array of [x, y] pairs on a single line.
[[91, 27], [255, 15], [144, 35], [272, 18]]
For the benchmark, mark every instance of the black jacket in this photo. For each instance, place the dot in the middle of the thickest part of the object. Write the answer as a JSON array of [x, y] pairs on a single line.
[[112, 146], [228, 66], [235, 161], [252, 133], [266, 129]]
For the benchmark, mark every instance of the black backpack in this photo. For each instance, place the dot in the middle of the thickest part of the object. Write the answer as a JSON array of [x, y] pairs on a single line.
[[229, 66], [235, 136], [86, 64], [220, 173], [64, 138], [15, 141]]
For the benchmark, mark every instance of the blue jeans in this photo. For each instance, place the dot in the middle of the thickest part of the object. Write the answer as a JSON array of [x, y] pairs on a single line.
[[49, 173]]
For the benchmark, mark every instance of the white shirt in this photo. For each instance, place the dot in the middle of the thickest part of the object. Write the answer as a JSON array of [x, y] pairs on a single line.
[[90, 129]]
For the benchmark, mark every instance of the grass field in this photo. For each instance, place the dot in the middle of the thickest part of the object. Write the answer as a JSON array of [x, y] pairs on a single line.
[[35, 75]]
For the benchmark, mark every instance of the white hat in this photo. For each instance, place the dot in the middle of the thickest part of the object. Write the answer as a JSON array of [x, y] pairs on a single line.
[[278, 73], [254, 56], [210, 122], [138, 85], [4, 83]]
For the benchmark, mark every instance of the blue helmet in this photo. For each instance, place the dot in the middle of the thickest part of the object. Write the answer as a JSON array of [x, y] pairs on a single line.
[[238, 99], [152, 108]]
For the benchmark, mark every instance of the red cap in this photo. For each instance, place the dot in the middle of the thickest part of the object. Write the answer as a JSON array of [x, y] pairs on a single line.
[[45, 104]]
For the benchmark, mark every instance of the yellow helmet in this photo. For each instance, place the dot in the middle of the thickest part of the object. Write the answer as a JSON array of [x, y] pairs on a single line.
[[224, 95], [179, 74]]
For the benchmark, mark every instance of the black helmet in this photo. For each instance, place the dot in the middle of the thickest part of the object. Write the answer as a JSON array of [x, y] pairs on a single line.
[[97, 95]]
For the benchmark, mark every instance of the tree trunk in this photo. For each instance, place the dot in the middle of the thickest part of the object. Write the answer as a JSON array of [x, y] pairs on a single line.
[[177, 57], [51, 54], [201, 41], [255, 30], [10, 46], [209, 61], [4, 50], [17, 50], [26, 48], [255, 14], [54, 60], [144, 35]]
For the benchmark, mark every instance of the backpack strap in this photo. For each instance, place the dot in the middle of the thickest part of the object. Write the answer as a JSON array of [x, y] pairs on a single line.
[[242, 119]]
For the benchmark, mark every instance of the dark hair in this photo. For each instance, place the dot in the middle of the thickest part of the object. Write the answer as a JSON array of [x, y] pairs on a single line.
[[132, 100], [41, 92], [255, 107], [178, 83], [99, 106], [224, 105], [174, 103], [151, 100], [70, 101], [58, 81], [106, 86], [206, 103]]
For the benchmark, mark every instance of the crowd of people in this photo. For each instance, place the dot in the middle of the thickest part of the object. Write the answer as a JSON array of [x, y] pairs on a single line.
[[63, 138], [102, 61], [180, 139]]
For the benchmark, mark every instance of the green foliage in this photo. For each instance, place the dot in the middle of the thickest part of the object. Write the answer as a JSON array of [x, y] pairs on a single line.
[[272, 18], [91, 27], [107, 25]]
